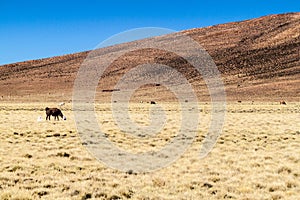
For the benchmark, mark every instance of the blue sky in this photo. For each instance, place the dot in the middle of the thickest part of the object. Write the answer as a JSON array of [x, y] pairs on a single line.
[[39, 29]]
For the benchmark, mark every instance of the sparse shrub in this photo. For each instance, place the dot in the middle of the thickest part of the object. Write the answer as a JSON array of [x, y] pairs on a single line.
[[128, 194], [86, 196], [28, 156], [284, 170], [15, 168], [114, 197], [101, 195], [63, 154]]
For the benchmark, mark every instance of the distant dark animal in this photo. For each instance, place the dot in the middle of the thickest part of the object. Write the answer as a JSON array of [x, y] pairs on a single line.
[[282, 103], [54, 112], [152, 102]]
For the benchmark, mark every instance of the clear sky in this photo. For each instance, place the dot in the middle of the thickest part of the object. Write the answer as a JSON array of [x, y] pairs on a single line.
[[45, 28]]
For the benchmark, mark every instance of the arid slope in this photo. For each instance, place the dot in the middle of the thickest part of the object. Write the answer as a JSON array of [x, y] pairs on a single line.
[[258, 59]]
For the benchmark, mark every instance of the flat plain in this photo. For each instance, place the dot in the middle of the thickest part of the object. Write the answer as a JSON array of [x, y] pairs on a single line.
[[257, 156]]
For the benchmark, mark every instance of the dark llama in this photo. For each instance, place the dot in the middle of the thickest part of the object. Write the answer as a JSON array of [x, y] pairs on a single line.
[[54, 112]]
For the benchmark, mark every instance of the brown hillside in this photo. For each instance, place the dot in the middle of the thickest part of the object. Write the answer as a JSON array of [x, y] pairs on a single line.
[[258, 59]]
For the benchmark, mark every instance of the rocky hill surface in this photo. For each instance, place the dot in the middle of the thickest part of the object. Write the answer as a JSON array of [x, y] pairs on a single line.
[[258, 60]]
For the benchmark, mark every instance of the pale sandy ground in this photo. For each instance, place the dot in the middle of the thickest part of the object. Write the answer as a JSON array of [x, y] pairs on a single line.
[[256, 157]]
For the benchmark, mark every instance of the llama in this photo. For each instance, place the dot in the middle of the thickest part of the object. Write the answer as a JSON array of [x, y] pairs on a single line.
[[54, 112], [282, 103]]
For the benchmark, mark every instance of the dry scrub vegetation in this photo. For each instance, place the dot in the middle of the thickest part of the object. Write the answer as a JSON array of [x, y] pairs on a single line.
[[256, 157]]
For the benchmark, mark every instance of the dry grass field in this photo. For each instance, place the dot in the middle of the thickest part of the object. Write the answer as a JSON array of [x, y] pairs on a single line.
[[256, 157]]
